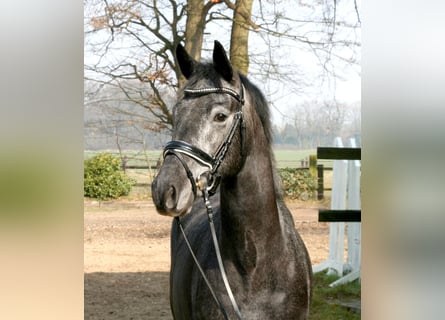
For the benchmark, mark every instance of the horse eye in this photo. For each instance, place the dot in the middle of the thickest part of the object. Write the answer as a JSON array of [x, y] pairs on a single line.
[[220, 117]]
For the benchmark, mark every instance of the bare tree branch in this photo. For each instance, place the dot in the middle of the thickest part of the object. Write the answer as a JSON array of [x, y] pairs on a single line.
[[135, 47]]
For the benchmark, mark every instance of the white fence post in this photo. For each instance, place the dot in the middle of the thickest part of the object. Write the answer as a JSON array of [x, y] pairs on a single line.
[[354, 228], [334, 264]]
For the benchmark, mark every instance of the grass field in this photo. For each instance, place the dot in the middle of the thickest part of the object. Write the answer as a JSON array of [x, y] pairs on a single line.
[[292, 158], [135, 157], [284, 158], [332, 303]]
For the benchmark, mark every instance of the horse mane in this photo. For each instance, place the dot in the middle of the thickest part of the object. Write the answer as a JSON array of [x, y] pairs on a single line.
[[263, 112], [261, 106]]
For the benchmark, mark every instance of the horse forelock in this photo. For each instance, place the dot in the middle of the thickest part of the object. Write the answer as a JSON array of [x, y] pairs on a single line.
[[204, 72]]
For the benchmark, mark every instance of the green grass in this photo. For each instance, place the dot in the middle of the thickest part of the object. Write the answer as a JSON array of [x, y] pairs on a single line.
[[325, 298], [291, 158], [284, 158], [135, 157]]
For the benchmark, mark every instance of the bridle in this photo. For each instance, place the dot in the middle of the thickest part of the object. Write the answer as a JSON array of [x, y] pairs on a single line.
[[207, 182], [179, 148]]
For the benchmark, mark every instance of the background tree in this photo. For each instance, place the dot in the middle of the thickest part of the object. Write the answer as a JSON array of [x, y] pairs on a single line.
[[130, 44], [239, 39], [317, 123], [152, 29]]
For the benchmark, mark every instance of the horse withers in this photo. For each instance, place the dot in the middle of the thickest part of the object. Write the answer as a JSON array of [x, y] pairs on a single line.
[[222, 138]]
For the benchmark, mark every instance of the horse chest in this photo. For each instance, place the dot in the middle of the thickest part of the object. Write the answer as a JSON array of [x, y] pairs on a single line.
[[263, 305], [259, 297]]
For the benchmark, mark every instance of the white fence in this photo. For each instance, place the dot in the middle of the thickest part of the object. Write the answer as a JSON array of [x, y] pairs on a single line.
[[345, 195]]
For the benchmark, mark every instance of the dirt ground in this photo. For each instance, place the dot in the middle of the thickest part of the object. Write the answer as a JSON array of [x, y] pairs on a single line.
[[127, 257]]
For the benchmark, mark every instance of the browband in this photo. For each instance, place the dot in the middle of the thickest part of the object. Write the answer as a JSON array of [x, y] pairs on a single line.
[[205, 91]]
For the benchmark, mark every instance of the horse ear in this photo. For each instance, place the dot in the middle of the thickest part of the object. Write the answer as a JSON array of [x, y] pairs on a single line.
[[186, 63], [221, 63]]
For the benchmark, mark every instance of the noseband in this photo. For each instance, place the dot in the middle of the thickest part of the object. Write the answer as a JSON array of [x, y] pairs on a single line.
[[179, 148]]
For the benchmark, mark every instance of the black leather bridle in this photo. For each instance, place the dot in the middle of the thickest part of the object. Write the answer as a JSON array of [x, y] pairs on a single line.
[[179, 148], [208, 181]]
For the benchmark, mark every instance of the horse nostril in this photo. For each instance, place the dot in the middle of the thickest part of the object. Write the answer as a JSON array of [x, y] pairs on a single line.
[[170, 198]]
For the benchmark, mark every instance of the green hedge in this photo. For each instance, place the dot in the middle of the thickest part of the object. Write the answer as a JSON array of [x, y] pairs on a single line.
[[298, 183], [104, 178]]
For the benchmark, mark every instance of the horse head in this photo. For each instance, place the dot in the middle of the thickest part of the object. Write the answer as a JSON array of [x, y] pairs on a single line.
[[207, 141]]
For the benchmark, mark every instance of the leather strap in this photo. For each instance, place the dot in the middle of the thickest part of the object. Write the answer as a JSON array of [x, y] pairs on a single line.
[[220, 305], [186, 168]]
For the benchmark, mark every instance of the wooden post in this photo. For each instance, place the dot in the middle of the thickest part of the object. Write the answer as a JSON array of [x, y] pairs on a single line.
[[313, 164], [124, 164], [320, 191]]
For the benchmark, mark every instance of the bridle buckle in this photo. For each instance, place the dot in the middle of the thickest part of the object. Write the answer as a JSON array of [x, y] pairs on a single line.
[[208, 182]]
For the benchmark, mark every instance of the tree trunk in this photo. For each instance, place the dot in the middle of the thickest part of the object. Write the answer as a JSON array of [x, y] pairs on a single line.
[[194, 30], [239, 42]]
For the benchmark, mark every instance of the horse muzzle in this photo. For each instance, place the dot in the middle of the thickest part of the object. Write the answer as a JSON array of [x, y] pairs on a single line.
[[171, 192]]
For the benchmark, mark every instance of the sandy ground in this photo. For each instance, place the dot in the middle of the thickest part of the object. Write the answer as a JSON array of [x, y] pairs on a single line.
[[127, 257]]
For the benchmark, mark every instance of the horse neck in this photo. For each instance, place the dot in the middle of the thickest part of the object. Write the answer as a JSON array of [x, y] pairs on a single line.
[[249, 213]]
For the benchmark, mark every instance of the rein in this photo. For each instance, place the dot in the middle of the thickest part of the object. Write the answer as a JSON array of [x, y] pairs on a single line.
[[178, 149], [222, 270]]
